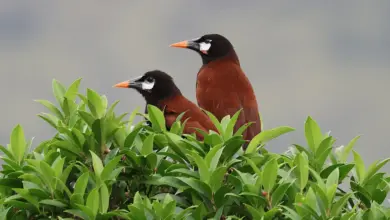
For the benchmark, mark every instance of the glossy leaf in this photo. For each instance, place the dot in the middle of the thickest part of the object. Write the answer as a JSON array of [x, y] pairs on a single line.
[[359, 166], [347, 149], [338, 206], [147, 147], [104, 199], [266, 136], [269, 175], [313, 134], [53, 202], [157, 118], [51, 107], [203, 168], [230, 126], [107, 170], [18, 143], [93, 201], [73, 89], [97, 164], [96, 104], [58, 90], [303, 169]]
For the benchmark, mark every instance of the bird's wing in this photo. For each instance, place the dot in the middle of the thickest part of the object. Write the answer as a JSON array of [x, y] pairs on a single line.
[[196, 118]]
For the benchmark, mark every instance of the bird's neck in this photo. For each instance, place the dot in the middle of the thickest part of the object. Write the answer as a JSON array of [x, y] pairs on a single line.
[[159, 98], [230, 56]]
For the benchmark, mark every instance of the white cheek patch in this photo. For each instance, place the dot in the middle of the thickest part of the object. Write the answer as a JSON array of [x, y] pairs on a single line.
[[204, 47], [147, 85]]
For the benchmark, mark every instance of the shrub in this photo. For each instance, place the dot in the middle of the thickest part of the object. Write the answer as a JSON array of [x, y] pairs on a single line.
[[100, 166]]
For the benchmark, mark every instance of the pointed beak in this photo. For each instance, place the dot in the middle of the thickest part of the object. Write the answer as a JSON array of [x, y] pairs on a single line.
[[132, 83], [186, 44], [181, 44], [124, 84]]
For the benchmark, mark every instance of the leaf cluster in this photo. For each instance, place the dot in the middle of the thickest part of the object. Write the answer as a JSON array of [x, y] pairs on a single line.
[[100, 165]]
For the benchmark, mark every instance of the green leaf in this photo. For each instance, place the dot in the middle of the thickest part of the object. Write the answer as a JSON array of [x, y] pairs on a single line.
[[47, 172], [93, 201], [280, 192], [184, 214], [291, 214], [322, 198], [107, 170], [97, 164], [157, 118], [129, 141], [313, 134], [11, 183], [80, 186], [200, 187], [79, 213], [51, 107], [270, 173], [333, 178], [96, 104], [265, 136], [175, 141], [255, 213], [87, 117], [338, 206], [216, 179], [58, 90], [379, 195], [104, 198], [27, 196], [322, 158], [242, 129], [58, 166], [324, 145], [18, 143], [65, 145], [97, 129], [359, 166], [147, 147], [202, 166], [212, 157], [230, 126], [8, 153], [53, 202], [73, 89], [345, 152], [215, 121], [51, 119], [303, 168], [374, 167], [331, 184]]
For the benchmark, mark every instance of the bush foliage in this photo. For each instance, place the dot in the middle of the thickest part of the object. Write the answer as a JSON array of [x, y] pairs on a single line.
[[101, 166]]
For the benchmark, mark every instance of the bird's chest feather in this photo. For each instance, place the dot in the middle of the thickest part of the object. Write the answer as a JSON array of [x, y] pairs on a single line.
[[215, 79]]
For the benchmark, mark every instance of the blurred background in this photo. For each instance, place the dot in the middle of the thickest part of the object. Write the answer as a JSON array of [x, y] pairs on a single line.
[[328, 60]]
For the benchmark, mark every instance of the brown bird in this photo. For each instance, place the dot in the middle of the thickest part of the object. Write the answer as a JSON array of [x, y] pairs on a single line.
[[222, 88], [159, 89]]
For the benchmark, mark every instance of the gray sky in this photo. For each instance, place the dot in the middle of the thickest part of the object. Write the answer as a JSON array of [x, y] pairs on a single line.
[[327, 60]]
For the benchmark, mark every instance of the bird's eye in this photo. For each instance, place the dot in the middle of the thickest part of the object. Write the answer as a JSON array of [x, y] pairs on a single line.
[[207, 41], [149, 80]]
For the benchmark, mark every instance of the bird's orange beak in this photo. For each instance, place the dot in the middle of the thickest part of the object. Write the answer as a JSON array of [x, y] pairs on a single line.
[[124, 84], [181, 44]]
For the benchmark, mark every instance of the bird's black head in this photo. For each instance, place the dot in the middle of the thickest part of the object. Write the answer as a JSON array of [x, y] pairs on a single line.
[[154, 86], [210, 46]]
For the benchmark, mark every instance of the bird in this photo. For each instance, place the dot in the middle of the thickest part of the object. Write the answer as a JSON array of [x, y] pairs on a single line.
[[222, 87], [159, 89]]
